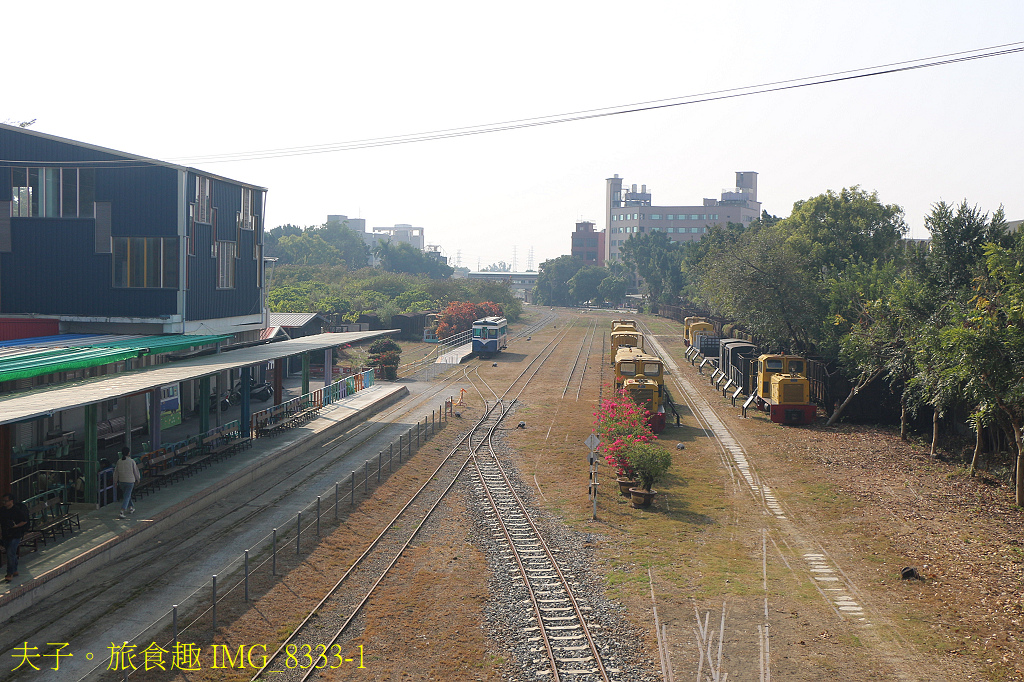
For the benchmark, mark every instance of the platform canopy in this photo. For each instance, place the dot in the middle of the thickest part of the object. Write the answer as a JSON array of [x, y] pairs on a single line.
[[47, 400]]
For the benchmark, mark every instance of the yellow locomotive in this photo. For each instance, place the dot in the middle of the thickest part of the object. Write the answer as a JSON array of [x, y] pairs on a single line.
[[625, 333], [782, 389], [642, 376]]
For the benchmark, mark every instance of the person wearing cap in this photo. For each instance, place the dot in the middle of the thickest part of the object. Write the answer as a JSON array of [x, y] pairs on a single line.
[[126, 475]]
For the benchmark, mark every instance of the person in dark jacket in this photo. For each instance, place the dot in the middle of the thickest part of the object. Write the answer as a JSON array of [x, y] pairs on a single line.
[[14, 522]]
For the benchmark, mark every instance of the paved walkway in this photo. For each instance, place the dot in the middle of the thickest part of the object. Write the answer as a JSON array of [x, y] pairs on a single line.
[[103, 537], [456, 355]]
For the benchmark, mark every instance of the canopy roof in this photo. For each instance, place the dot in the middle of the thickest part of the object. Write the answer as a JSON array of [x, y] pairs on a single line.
[[46, 400], [26, 358]]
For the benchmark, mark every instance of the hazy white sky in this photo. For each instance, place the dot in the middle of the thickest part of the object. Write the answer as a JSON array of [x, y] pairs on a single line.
[[178, 81]]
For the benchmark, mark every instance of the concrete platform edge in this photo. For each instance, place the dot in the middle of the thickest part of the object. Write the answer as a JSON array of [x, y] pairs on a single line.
[[40, 587]]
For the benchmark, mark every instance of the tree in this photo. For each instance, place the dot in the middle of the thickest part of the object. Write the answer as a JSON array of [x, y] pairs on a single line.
[[403, 257], [583, 286], [613, 289], [982, 349], [553, 280], [460, 316], [958, 237], [656, 259], [348, 242], [385, 354]]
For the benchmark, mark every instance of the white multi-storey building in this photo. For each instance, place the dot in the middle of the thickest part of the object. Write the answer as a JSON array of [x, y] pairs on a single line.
[[629, 212]]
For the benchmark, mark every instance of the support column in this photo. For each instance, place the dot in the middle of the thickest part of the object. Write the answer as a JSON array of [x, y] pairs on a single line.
[[154, 417], [279, 364], [204, 404], [243, 424], [127, 423], [91, 466], [6, 453], [305, 373], [328, 366]]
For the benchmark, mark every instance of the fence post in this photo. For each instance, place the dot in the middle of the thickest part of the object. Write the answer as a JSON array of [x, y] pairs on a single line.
[[318, 516], [336, 486], [431, 422], [298, 533], [214, 603], [353, 500], [409, 438], [273, 556], [399, 448], [391, 454], [174, 622], [380, 456]]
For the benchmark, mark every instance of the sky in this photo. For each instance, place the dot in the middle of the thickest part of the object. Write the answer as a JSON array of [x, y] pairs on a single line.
[[185, 82]]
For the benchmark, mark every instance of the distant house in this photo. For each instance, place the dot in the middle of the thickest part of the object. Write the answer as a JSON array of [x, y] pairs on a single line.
[[108, 242]]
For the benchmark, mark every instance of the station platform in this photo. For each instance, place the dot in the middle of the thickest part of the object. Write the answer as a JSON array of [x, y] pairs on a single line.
[[103, 537], [456, 355]]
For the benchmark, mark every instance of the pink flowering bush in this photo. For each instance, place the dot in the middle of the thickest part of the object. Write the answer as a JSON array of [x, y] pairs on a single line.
[[621, 424]]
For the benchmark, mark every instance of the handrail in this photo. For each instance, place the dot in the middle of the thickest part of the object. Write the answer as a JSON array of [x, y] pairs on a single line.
[[341, 388]]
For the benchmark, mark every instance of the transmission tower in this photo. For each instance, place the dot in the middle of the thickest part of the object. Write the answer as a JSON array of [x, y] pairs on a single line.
[[458, 258], [514, 259], [529, 261]]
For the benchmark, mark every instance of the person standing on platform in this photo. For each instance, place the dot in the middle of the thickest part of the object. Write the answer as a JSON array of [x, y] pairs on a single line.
[[126, 474], [14, 522]]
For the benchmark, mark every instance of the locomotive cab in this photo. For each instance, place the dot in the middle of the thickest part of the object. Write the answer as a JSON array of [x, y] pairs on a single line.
[[649, 395]]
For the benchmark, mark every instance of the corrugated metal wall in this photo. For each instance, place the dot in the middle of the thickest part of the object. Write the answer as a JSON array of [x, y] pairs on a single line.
[[54, 268], [203, 299]]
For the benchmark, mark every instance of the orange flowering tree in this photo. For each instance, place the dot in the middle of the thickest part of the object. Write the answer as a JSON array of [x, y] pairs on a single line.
[[621, 424], [459, 316]]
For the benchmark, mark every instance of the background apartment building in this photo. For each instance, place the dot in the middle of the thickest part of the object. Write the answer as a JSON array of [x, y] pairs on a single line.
[[588, 244], [629, 211]]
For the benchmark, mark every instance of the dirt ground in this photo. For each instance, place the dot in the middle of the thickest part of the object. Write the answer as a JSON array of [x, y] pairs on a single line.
[[865, 499]]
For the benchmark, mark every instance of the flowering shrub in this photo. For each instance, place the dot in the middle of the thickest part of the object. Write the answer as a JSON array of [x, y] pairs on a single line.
[[621, 423]]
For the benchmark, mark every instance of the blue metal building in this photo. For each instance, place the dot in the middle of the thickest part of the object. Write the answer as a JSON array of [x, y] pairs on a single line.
[[109, 242]]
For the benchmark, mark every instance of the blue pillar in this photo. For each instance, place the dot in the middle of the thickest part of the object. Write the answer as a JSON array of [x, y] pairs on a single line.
[[328, 366], [244, 418]]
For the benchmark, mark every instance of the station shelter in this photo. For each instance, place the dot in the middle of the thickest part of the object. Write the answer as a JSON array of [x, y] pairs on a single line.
[[58, 437]]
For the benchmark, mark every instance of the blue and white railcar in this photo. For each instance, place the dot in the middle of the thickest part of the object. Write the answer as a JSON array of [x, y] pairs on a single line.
[[490, 335]]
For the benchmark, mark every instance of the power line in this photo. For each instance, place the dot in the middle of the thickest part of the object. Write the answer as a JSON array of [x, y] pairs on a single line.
[[618, 110], [745, 91]]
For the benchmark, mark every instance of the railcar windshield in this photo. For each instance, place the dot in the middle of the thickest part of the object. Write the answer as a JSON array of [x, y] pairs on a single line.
[[492, 333], [478, 332], [773, 364], [627, 369], [796, 367], [652, 369]]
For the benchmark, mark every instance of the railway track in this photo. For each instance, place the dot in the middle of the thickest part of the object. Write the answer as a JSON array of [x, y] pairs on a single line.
[[312, 645], [562, 636], [591, 334]]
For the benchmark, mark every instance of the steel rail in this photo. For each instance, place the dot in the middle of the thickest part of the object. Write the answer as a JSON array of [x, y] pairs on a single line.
[[468, 437], [373, 544], [564, 583], [590, 350]]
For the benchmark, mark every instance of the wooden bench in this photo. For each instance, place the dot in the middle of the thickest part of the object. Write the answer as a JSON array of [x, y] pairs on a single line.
[[153, 466], [110, 430], [60, 511], [42, 521]]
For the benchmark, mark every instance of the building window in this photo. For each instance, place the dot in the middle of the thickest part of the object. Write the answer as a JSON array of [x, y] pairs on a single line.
[[671, 230], [655, 216], [53, 192], [655, 229], [694, 229], [669, 217], [203, 191], [245, 215], [145, 262], [226, 254]]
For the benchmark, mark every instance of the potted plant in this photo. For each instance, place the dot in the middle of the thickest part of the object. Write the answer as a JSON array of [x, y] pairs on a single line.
[[621, 423], [650, 463]]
